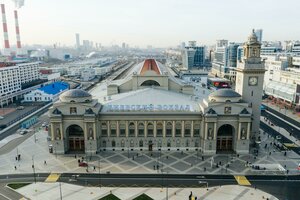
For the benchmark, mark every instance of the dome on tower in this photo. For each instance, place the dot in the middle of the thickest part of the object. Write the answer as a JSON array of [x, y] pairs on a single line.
[[252, 39], [224, 95], [75, 95]]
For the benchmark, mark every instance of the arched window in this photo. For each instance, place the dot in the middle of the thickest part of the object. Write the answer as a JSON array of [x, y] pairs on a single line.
[[113, 143], [178, 129], [122, 127], [113, 129], [159, 129], [196, 129], [150, 83], [104, 129], [150, 130], [131, 129], [169, 127], [141, 129], [187, 129]]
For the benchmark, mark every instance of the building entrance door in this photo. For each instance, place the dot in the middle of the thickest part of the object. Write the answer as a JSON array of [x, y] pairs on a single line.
[[76, 138], [225, 138], [150, 147]]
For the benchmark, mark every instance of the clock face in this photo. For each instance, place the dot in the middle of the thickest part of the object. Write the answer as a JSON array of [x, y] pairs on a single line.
[[253, 80]]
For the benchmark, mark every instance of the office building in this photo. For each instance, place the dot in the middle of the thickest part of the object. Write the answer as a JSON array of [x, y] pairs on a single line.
[[258, 33], [193, 56]]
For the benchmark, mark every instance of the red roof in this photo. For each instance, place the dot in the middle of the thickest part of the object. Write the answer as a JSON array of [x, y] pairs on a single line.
[[46, 71], [150, 64]]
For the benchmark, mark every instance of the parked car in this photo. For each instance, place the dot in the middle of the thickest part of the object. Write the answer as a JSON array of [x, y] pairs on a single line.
[[20, 107], [50, 148], [278, 137], [1, 117], [44, 124], [83, 164]]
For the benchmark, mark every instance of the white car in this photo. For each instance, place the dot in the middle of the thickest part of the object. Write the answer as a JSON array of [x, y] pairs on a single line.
[[23, 132], [1, 117]]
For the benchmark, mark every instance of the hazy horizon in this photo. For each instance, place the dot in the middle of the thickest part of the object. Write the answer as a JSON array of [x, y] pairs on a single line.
[[158, 23]]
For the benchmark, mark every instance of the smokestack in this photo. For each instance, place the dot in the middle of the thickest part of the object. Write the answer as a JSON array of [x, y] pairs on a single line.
[[17, 31], [5, 32]]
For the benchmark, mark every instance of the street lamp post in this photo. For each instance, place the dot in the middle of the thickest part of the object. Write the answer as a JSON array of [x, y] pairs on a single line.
[[99, 172], [33, 168], [60, 192]]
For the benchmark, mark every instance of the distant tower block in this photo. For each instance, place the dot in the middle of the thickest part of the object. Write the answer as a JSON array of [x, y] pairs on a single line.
[[5, 32], [17, 31]]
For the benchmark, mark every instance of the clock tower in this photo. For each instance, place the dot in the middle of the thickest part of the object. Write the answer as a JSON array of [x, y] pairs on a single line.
[[249, 80]]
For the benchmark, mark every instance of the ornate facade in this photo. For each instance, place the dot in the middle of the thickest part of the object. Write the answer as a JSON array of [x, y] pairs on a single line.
[[150, 110]]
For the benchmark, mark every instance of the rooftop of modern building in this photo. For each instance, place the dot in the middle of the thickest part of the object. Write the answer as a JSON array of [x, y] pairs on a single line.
[[54, 88]]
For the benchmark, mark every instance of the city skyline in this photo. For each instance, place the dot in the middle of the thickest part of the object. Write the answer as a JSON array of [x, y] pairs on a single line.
[[161, 24]]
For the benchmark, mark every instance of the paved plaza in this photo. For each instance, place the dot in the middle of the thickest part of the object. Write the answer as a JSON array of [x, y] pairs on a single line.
[[69, 192], [34, 150]]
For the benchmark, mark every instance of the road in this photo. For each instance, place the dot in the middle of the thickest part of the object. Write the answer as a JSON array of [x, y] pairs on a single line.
[[16, 142], [282, 187]]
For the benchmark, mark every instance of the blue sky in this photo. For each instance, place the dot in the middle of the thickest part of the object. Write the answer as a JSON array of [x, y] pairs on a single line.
[[160, 23]]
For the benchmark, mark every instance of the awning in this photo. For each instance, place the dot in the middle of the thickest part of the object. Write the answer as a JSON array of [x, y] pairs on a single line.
[[281, 90]]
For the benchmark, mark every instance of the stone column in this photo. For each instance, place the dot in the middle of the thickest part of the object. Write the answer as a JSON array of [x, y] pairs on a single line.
[[215, 130], [108, 128], [95, 131], [126, 129], [145, 129], [154, 131], [164, 129], [192, 129], [173, 129], [85, 131], [205, 130], [52, 132], [61, 131], [248, 131], [182, 129], [136, 128], [118, 129], [239, 131]]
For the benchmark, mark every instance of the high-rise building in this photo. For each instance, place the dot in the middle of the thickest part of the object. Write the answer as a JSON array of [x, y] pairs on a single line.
[[77, 40], [193, 56], [12, 77], [123, 45], [222, 43], [250, 78], [225, 59], [271, 48], [258, 33]]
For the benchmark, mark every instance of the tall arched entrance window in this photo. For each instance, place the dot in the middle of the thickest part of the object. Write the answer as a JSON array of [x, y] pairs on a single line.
[[169, 128], [225, 138], [150, 83], [75, 136], [150, 130], [159, 129]]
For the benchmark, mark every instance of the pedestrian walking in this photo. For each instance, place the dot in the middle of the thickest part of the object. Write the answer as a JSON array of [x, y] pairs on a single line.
[[94, 168], [15, 167], [45, 162]]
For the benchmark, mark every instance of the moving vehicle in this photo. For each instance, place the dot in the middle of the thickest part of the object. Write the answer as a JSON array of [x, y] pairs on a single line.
[[23, 132], [83, 164]]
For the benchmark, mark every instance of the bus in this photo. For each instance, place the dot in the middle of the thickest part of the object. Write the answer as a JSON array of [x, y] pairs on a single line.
[[218, 83]]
